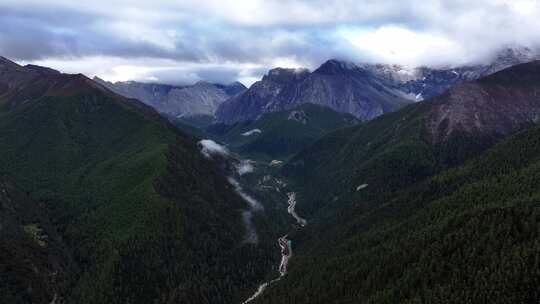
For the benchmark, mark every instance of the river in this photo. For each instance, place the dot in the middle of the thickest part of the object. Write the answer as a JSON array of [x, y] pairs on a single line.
[[286, 248]]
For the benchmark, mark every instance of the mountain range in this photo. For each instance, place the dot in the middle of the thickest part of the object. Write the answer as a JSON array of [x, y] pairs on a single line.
[[363, 90], [202, 98], [339, 85], [365, 183], [426, 204], [427, 82]]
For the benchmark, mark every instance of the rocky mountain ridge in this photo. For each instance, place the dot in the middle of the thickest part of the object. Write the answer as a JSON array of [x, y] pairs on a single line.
[[364, 90], [426, 82], [202, 98], [343, 87]]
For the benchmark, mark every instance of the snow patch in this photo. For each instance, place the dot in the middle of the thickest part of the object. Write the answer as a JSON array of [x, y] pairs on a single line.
[[361, 187], [251, 132], [407, 72], [276, 163]]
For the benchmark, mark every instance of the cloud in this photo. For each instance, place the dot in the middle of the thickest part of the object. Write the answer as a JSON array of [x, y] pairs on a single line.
[[254, 204], [216, 40], [397, 44], [245, 166], [210, 147]]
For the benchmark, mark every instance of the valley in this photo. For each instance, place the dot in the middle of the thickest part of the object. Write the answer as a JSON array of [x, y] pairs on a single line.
[[108, 199], [211, 150], [286, 250], [269, 152], [390, 209]]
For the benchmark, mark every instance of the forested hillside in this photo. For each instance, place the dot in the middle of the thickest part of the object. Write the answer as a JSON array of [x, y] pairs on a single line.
[[146, 218], [469, 234], [405, 218], [269, 152], [404, 147], [280, 135]]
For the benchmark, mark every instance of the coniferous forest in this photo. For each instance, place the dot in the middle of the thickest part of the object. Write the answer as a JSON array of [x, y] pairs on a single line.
[[270, 152]]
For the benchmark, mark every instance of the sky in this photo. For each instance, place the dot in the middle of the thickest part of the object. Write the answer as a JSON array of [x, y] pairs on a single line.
[[181, 42]]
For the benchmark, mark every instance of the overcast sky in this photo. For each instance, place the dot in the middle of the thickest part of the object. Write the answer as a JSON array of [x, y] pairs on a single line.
[[221, 41]]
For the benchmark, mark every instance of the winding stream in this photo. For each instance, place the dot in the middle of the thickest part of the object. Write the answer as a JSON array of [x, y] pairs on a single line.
[[292, 205], [286, 248], [210, 148]]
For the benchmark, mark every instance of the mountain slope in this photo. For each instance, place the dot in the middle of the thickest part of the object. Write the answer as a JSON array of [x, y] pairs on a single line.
[[202, 98], [402, 212], [134, 200], [31, 251], [497, 104], [280, 135], [343, 87], [403, 147], [469, 234]]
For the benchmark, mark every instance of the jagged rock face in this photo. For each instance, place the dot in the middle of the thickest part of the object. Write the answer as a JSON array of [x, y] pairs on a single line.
[[495, 105], [341, 86], [434, 82], [348, 88], [271, 94], [364, 90], [201, 98], [148, 93], [232, 89]]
